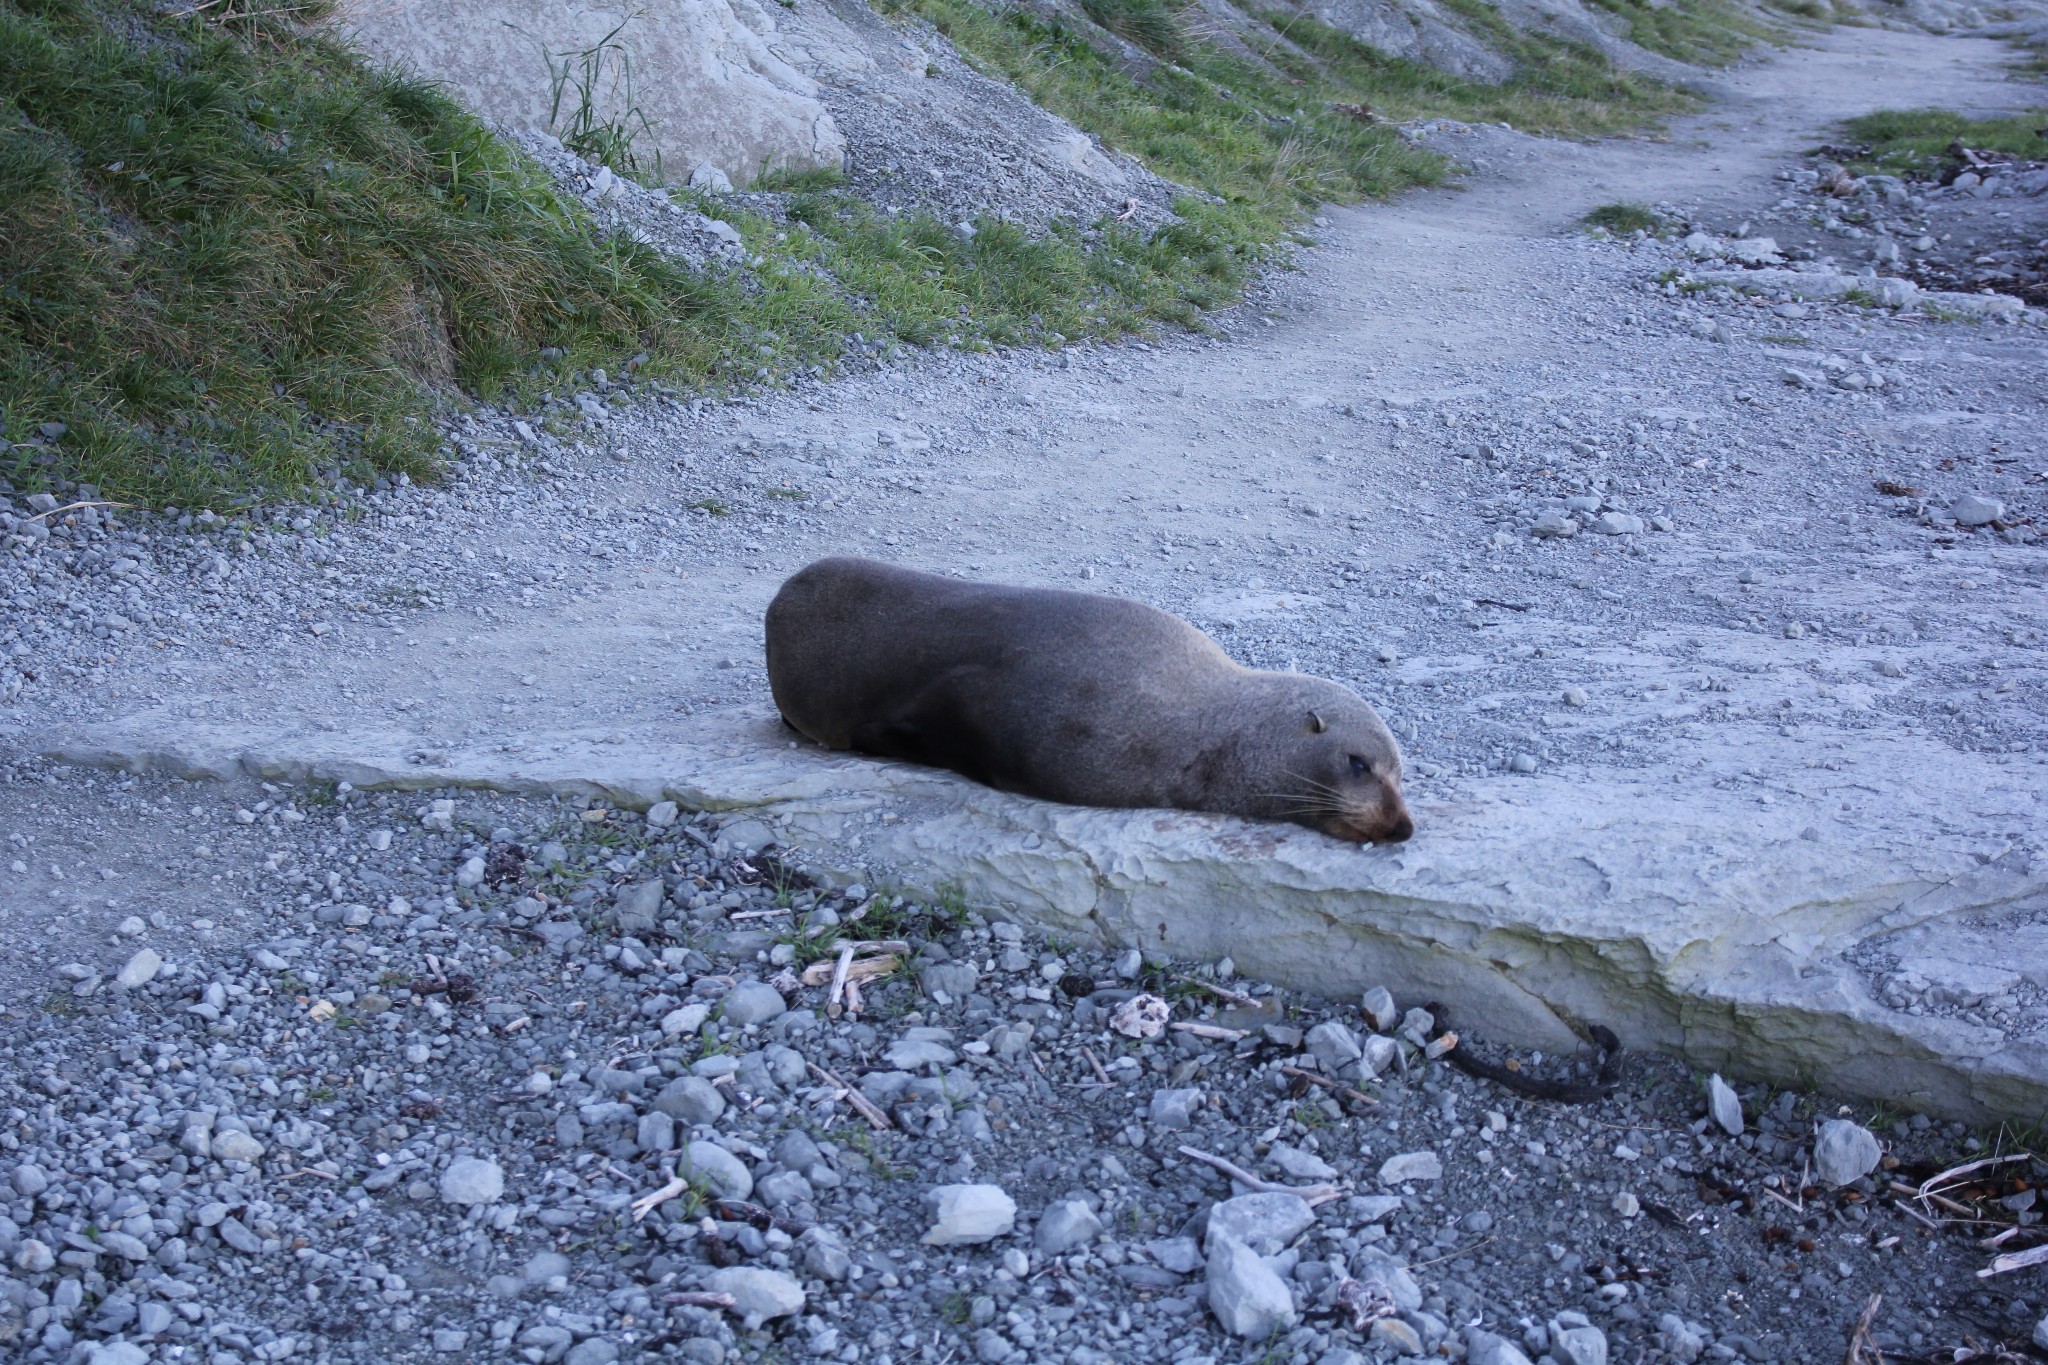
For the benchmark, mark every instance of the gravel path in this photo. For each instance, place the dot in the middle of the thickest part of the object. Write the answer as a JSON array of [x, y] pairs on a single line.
[[301, 1137]]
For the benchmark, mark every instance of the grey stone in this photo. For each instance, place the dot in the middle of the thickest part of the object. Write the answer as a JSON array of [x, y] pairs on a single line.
[[1397, 1336], [472, 1180], [757, 1295], [1845, 1152], [662, 814], [1248, 1299], [1968, 510], [1264, 1222], [1379, 1053], [1380, 1010], [233, 1145], [2041, 1334], [1554, 525], [543, 1266], [116, 1353], [558, 934], [1065, 1224], [1583, 1344], [825, 1254], [1617, 524], [752, 1002], [449, 1340], [638, 907], [1408, 1166], [919, 1048], [967, 1214], [1376, 1268], [1334, 1045], [1724, 1106], [139, 970], [1174, 1109], [592, 1351], [1371, 1208], [954, 980], [725, 1174], [1679, 1339], [655, 1132], [1485, 1348], [1302, 1165], [1179, 1254], [691, 1100]]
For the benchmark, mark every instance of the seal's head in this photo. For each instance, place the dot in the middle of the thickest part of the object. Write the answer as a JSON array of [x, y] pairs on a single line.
[[1344, 770]]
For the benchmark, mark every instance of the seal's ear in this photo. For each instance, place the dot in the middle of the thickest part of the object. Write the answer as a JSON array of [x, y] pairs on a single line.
[[1316, 723]]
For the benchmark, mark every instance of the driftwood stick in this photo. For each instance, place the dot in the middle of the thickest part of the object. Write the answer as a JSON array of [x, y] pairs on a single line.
[[1324, 1081], [862, 1105], [1311, 1194]]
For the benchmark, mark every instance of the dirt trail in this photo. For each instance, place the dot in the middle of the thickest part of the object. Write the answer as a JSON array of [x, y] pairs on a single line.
[[1343, 483]]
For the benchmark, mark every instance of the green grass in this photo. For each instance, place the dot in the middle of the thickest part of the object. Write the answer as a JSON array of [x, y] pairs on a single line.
[[232, 258], [1915, 142], [1700, 32], [236, 262], [1622, 219]]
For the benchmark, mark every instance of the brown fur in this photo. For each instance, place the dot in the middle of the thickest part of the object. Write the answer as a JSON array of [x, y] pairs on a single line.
[[1095, 701]]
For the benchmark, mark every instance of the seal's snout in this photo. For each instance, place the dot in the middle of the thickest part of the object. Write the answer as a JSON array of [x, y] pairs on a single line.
[[1396, 831]]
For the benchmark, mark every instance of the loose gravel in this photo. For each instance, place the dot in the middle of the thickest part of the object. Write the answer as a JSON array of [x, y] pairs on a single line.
[[364, 1077]]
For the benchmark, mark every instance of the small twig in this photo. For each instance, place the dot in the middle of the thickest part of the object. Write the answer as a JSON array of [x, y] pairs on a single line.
[[1454, 1255], [1096, 1066], [1324, 1081], [862, 1105], [1798, 1208], [1130, 211], [1215, 1031], [648, 1203], [2017, 1260], [73, 507], [832, 1005], [769, 913], [1859, 1339], [308, 1170], [1311, 1194], [1234, 997], [697, 1298]]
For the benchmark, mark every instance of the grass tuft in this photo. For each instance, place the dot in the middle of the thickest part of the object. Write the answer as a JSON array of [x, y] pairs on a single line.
[[1915, 142], [232, 258], [1699, 32], [1622, 219], [1158, 26]]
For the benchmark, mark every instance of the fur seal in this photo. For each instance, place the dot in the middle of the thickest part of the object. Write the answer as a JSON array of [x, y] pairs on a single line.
[[1068, 696]]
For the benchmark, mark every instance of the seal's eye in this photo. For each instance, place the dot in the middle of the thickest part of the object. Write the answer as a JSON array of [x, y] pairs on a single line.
[[1359, 767]]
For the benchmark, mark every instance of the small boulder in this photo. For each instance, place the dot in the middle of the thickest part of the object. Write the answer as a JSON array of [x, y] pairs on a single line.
[[1724, 1106], [1397, 1170], [470, 1180], [752, 1002], [1065, 1224], [757, 1295], [725, 1174], [965, 1214], [1247, 1297], [1264, 1222], [1845, 1152]]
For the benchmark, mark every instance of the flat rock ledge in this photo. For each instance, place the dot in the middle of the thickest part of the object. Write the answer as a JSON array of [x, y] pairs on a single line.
[[1687, 918]]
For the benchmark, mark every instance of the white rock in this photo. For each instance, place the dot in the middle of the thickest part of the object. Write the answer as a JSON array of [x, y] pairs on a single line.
[[1724, 1106], [1617, 524], [1845, 1152], [116, 1353], [1396, 1336], [970, 1213], [1141, 1016], [712, 1165], [1753, 251], [1065, 1224], [1248, 1299], [233, 1145], [1264, 1222], [471, 1180], [1583, 1344], [140, 970], [685, 1018], [1408, 1166], [662, 814], [1380, 1010], [1554, 525], [131, 926], [921, 1047], [2041, 1334], [1972, 510], [1300, 1164], [710, 179], [1702, 246], [471, 873], [757, 1295]]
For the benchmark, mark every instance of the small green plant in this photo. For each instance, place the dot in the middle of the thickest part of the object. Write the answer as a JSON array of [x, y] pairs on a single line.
[[1158, 26], [957, 1308], [1786, 339], [321, 1095], [711, 505], [1915, 142], [1622, 219], [579, 77], [791, 494], [788, 180]]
